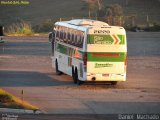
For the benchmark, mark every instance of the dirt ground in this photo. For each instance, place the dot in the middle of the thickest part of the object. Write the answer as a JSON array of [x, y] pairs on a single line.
[[25, 64]]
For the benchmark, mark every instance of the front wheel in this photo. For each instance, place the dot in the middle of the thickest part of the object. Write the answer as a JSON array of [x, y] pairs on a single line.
[[57, 70]]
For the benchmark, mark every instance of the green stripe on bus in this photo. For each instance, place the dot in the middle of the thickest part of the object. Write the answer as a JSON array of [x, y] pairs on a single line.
[[68, 50], [92, 58], [71, 52], [122, 38], [61, 48], [100, 39]]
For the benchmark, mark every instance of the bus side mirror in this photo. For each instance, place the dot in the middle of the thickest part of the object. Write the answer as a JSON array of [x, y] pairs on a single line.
[[50, 36], [1, 34]]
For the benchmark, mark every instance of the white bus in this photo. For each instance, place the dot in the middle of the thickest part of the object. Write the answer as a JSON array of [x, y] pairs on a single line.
[[89, 50]]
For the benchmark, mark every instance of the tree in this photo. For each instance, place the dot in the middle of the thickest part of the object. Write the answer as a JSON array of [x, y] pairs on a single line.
[[93, 6], [100, 4], [114, 10], [114, 14]]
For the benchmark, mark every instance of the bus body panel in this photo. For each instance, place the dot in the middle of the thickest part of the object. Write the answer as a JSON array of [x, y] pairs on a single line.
[[106, 54]]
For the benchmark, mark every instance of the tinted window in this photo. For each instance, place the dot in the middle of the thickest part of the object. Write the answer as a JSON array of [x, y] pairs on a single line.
[[61, 35], [57, 35], [70, 36]]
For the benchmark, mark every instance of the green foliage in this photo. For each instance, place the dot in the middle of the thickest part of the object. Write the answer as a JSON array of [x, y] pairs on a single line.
[[20, 27]]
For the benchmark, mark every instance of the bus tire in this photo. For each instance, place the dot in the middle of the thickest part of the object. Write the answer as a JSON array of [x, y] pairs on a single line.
[[114, 83], [73, 75], [57, 71], [76, 77], [79, 82]]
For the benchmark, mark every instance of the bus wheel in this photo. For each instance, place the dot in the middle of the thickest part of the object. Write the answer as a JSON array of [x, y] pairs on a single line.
[[73, 75], [79, 82], [57, 71], [76, 76], [114, 82]]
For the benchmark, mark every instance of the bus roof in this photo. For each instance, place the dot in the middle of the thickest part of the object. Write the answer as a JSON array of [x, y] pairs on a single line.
[[82, 24], [87, 22]]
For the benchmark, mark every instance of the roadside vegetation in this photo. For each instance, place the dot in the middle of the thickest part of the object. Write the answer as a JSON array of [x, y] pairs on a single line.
[[114, 14], [132, 15], [153, 27], [111, 17], [9, 101], [19, 28], [23, 28]]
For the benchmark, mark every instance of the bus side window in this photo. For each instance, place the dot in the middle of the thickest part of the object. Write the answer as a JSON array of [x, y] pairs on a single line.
[[61, 35], [68, 38], [76, 40], [81, 41], [72, 39], [57, 35], [64, 37]]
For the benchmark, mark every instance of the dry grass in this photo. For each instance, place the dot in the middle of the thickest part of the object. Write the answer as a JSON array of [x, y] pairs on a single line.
[[9, 101], [21, 27]]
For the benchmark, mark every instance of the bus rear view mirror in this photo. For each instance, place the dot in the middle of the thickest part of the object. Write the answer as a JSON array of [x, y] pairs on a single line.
[[50, 36], [1, 34]]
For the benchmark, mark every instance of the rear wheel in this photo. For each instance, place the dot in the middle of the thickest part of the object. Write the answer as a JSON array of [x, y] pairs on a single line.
[[57, 70], [76, 77], [114, 82], [79, 82], [73, 75]]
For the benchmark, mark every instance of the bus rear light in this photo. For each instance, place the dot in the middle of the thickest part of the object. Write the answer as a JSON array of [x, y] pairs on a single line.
[[125, 60], [105, 75], [105, 54]]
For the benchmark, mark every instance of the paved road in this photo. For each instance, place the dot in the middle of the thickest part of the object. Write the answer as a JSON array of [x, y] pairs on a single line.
[[25, 64]]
